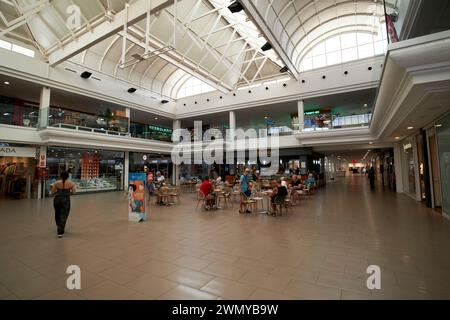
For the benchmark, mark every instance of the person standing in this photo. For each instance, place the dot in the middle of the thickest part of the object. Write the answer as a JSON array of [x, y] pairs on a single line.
[[62, 189], [245, 186], [372, 178]]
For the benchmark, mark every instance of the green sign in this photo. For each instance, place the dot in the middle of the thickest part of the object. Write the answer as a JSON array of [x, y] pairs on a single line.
[[160, 129], [312, 113]]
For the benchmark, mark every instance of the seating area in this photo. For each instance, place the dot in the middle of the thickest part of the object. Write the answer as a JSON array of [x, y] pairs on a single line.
[[264, 197]]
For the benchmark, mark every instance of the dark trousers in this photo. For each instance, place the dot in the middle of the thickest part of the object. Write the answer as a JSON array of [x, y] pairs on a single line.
[[62, 209], [372, 183]]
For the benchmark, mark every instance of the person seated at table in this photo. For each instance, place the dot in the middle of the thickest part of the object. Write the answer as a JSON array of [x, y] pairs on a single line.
[[207, 189], [279, 194], [296, 183], [311, 181]]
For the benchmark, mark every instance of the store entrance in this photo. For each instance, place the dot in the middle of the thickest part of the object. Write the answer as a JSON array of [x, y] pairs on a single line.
[[16, 177]]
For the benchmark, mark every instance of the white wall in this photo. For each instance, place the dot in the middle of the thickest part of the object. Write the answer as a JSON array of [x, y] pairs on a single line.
[[336, 81]]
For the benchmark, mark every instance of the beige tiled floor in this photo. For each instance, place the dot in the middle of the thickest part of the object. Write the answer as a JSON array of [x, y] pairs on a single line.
[[320, 250]]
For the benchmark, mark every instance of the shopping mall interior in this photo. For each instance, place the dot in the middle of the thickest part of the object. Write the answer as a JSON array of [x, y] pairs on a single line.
[[223, 149]]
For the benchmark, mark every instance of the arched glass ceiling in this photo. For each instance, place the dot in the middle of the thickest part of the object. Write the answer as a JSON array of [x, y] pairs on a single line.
[[193, 86], [299, 25], [345, 47], [211, 44]]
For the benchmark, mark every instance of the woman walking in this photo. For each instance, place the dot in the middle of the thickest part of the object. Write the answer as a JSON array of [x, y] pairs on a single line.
[[62, 189]]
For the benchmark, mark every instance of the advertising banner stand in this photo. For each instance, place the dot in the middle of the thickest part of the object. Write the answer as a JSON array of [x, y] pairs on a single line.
[[136, 197]]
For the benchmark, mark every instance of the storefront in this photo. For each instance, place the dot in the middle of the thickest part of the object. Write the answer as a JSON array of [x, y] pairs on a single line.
[[408, 149], [443, 142], [147, 162], [17, 171], [90, 170]]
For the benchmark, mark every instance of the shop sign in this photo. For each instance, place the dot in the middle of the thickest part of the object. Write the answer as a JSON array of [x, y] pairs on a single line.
[[17, 152], [160, 129], [312, 113], [42, 161]]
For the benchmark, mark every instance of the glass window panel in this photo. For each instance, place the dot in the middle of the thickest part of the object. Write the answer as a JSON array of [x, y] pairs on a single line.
[[307, 64], [364, 38], [333, 44], [334, 58], [366, 51], [319, 49], [380, 47], [348, 40], [349, 54], [319, 61]]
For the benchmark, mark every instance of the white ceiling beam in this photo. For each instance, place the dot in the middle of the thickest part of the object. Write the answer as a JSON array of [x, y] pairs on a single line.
[[176, 59], [252, 12], [136, 12]]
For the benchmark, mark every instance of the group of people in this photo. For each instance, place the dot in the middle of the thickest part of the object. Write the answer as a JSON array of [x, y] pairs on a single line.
[[280, 188], [154, 184]]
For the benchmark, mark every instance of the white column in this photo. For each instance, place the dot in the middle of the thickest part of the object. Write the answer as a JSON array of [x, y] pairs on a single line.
[[128, 115], [176, 125], [126, 171], [44, 107], [232, 122], [398, 168], [301, 115], [175, 173]]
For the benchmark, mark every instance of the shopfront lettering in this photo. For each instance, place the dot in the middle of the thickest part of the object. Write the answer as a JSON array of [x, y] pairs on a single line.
[[8, 150]]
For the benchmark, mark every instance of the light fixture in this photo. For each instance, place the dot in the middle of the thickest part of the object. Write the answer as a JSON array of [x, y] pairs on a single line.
[[7, 83], [156, 118], [86, 75], [370, 142], [365, 105], [397, 138], [410, 128], [235, 7], [266, 47], [439, 126]]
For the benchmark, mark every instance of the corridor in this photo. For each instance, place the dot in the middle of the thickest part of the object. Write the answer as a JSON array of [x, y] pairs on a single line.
[[320, 249]]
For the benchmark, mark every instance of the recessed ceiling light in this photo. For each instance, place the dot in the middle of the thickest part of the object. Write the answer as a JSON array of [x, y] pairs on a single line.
[[156, 118], [370, 142], [410, 128], [439, 126], [397, 138], [7, 83], [365, 105]]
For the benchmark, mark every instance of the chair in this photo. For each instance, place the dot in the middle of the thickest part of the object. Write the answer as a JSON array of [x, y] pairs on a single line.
[[236, 193], [226, 197], [201, 198], [279, 204], [174, 193], [247, 203], [164, 195], [288, 200]]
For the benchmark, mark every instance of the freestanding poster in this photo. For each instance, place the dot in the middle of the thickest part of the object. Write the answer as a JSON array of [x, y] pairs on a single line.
[[136, 197]]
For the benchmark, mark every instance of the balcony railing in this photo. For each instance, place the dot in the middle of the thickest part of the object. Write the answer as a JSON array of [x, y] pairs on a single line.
[[93, 130], [338, 122]]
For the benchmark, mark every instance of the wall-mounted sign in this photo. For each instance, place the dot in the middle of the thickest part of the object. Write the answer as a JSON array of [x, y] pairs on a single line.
[[160, 129], [312, 113], [42, 161], [17, 152]]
